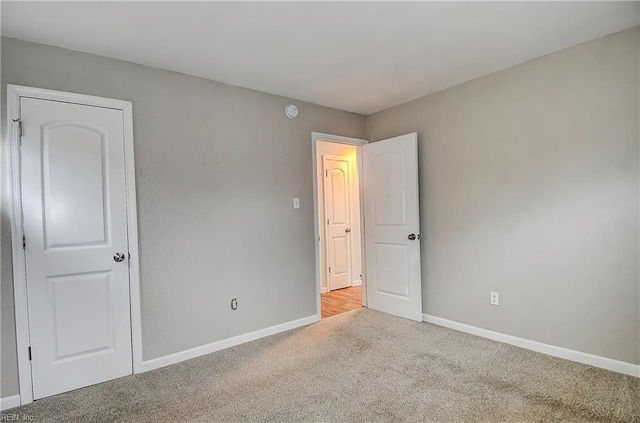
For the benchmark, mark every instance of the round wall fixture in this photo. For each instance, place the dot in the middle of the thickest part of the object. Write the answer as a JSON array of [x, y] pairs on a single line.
[[291, 111]]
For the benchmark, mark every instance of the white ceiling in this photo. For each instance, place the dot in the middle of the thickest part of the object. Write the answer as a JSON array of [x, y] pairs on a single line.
[[361, 57]]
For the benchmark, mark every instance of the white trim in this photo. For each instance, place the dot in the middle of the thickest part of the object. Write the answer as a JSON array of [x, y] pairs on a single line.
[[14, 93], [87, 100], [324, 290], [178, 357], [132, 236], [9, 402], [572, 355], [19, 270], [357, 282], [315, 137]]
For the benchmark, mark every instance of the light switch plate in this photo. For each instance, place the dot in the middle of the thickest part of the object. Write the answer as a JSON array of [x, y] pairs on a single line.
[[296, 203]]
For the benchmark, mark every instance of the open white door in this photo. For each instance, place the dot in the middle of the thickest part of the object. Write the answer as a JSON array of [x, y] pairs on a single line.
[[392, 226]]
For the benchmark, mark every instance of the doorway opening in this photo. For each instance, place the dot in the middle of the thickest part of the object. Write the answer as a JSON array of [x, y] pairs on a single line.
[[389, 251], [339, 224]]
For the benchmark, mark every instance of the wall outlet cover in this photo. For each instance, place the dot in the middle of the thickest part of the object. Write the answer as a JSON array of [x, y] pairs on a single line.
[[494, 298]]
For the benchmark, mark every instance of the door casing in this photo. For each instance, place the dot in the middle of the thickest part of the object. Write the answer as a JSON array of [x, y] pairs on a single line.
[[315, 137], [14, 93]]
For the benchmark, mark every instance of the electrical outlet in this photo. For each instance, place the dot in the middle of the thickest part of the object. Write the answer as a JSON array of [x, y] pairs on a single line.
[[494, 298]]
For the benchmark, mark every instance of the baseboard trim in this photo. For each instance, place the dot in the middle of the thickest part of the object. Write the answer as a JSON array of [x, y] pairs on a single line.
[[357, 282], [167, 360], [580, 357], [324, 290], [9, 402]]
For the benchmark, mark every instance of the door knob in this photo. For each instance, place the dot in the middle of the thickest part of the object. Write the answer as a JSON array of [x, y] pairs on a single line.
[[412, 237], [347, 230], [118, 257]]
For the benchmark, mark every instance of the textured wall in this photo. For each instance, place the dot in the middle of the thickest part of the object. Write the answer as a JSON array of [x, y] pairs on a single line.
[[217, 167], [529, 187]]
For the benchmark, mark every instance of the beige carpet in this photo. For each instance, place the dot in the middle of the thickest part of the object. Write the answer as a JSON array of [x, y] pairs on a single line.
[[359, 366]]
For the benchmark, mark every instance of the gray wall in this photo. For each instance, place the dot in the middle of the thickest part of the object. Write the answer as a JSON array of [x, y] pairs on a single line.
[[529, 187], [217, 168]]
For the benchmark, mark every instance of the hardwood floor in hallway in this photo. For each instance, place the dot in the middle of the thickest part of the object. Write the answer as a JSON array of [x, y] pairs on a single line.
[[341, 301]]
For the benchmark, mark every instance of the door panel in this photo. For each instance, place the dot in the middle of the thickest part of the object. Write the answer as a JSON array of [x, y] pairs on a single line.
[[390, 169], [74, 211], [392, 269], [389, 201], [69, 149], [337, 198], [85, 327], [340, 254]]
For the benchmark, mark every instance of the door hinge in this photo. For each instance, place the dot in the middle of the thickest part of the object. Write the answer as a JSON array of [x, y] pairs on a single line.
[[29, 353], [326, 173], [327, 221], [329, 269], [19, 123], [24, 242]]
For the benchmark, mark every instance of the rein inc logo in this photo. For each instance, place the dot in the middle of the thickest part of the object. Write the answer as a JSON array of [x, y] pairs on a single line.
[[15, 417]]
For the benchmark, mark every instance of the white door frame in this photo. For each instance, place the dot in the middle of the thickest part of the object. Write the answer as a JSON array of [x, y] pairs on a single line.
[[315, 137], [14, 93]]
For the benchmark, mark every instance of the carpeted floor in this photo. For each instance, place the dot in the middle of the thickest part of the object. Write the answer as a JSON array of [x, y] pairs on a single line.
[[358, 366]]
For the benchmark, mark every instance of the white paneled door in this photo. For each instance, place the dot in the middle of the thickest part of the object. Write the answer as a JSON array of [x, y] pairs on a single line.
[[392, 226], [337, 197], [75, 225]]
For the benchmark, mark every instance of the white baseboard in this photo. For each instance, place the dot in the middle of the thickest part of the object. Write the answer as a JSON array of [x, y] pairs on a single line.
[[324, 290], [580, 357], [9, 402], [357, 282], [167, 360]]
